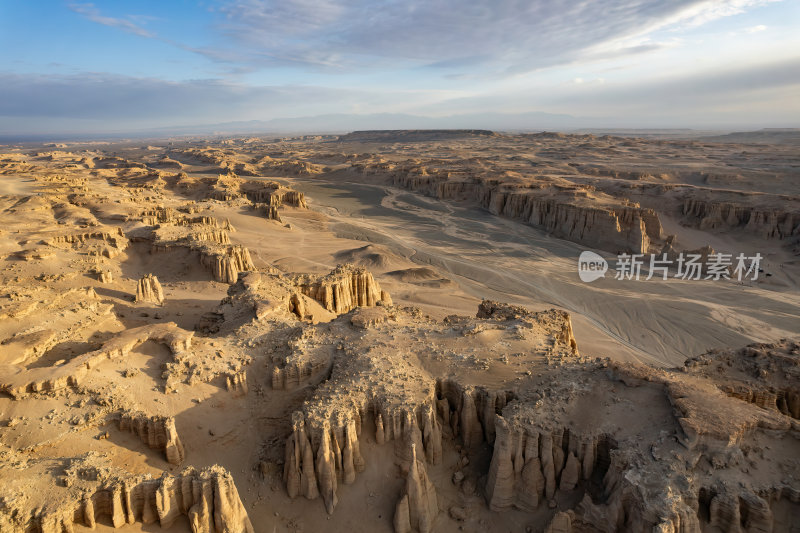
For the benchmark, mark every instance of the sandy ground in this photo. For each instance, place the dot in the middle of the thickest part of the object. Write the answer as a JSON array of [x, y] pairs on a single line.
[[443, 256], [655, 321]]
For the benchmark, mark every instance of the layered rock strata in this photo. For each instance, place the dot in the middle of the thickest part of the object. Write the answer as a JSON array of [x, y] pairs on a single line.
[[20, 382], [207, 498], [417, 508], [607, 223], [763, 222], [157, 432], [148, 289], [345, 288]]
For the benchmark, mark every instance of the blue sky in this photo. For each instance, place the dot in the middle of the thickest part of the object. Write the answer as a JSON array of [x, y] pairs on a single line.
[[125, 65]]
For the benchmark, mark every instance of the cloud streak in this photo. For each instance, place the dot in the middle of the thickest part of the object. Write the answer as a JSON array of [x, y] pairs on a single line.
[[517, 35], [92, 13]]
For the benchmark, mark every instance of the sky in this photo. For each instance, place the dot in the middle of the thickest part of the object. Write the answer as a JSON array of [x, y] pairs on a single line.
[[119, 66]]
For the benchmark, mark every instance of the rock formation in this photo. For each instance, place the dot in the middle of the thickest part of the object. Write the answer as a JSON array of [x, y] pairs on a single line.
[[606, 223], [417, 508], [532, 461], [226, 264], [320, 385], [236, 382], [157, 432], [208, 498], [413, 410], [343, 289], [761, 221], [20, 383], [149, 290]]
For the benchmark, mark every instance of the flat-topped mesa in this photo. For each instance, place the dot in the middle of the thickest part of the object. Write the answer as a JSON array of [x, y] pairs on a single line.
[[345, 288], [208, 498], [767, 375], [417, 508], [272, 193], [114, 240], [157, 432], [149, 290], [606, 222], [324, 445], [546, 446], [231, 188], [226, 264], [392, 390], [761, 221], [213, 245], [288, 167], [180, 217], [502, 311]]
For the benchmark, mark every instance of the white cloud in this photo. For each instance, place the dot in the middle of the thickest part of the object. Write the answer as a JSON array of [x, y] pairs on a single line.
[[755, 29], [454, 35], [92, 13]]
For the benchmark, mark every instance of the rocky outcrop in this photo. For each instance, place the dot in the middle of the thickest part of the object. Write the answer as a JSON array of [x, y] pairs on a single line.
[[345, 288], [180, 217], [209, 239], [236, 382], [528, 466], [157, 432], [149, 290], [417, 508], [767, 375], [20, 383], [763, 222], [272, 212], [114, 237], [272, 194], [541, 450], [226, 264], [390, 390], [607, 223], [502, 311], [208, 498]]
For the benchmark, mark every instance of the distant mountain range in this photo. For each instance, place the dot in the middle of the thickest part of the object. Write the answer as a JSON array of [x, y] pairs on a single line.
[[342, 123]]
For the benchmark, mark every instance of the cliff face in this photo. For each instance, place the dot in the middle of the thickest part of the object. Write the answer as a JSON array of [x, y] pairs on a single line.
[[205, 236], [417, 508], [613, 225], [622, 482], [765, 223], [377, 386], [157, 432], [345, 288], [208, 498], [149, 290], [272, 193], [225, 264]]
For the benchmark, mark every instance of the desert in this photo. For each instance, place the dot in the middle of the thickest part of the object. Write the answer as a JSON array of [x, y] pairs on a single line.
[[363, 266], [386, 331]]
